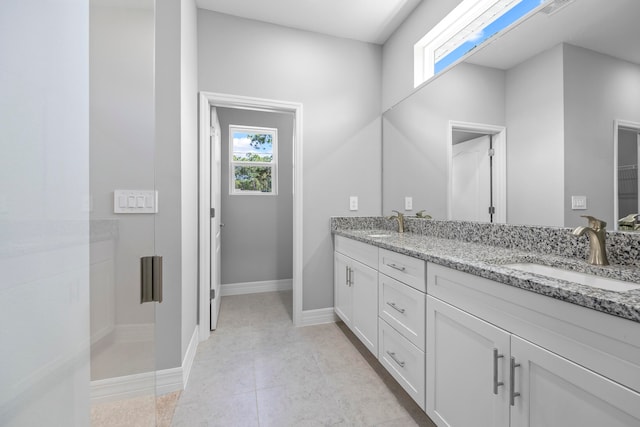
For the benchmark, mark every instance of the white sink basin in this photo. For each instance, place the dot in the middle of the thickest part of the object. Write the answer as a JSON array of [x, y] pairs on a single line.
[[576, 277], [378, 235]]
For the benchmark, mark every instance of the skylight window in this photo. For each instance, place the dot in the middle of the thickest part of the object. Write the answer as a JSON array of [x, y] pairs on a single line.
[[469, 25]]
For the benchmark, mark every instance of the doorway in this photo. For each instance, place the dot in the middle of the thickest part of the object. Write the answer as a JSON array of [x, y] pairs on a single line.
[[476, 172], [209, 265], [625, 181]]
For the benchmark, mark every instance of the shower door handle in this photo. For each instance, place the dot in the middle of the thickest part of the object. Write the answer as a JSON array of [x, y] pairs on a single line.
[[151, 279]]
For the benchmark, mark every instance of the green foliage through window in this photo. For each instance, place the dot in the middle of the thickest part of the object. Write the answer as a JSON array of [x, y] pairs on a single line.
[[253, 160]]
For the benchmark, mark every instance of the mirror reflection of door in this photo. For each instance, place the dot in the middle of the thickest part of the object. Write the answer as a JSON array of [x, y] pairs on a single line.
[[471, 177], [628, 194]]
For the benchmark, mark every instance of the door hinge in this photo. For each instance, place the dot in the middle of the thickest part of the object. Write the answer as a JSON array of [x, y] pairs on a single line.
[[492, 210], [213, 212], [491, 152], [212, 294]]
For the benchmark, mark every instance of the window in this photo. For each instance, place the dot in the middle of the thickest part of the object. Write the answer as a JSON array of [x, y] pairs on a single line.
[[468, 26], [253, 162]]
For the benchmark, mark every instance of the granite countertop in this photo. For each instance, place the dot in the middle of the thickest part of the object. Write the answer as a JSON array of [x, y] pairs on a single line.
[[489, 262]]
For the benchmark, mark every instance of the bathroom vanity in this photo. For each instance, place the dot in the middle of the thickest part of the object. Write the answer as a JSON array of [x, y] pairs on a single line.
[[475, 341]]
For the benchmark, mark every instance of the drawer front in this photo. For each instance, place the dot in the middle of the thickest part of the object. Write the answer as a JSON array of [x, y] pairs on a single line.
[[404, 361], [403, 268], [366, 254], [403, 308]]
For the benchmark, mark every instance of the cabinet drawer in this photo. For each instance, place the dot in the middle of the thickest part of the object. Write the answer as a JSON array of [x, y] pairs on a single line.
[[366, 254], [403, 268], [404, 361], [403, 308]]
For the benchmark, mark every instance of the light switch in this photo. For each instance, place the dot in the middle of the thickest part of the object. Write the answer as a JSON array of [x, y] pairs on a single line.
[[122, 201], [353, 203], [135, 201], [140, 201], [408, 203], [578, 202], [131, 201]]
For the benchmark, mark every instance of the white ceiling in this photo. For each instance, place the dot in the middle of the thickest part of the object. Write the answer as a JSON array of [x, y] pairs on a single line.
[[611, 27], [370, 21]]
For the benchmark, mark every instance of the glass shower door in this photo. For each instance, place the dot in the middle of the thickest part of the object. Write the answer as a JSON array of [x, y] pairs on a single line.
[[122, 219]]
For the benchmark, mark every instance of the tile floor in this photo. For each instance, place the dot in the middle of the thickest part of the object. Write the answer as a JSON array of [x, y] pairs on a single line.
[[257, 369]]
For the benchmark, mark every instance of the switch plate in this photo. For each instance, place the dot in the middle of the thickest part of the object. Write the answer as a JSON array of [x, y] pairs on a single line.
[[578, 203], [135, 201], [408, 203], [353, 203]]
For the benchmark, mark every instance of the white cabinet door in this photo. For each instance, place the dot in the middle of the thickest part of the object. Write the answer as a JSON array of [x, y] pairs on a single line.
[[364, 282], [343, 293], [467, 369], [557, 392]]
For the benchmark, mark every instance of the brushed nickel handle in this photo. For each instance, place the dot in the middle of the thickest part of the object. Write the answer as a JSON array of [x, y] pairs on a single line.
[[350, 276], [346, 269], [496, 383], [512, 382], [395, 359], [394, 306], [399, 268]]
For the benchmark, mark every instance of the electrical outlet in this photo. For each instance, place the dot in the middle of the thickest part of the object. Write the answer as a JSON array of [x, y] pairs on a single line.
[[408, 203], [578, 203], [353, 203]]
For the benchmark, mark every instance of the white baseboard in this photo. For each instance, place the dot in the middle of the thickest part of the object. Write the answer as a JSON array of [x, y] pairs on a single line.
[[130, 386], [318, 317], [189, 357], [256, 287]]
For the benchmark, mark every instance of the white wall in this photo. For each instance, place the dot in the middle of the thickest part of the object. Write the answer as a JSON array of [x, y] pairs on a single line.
[[189, 167], [44, 230], [415, 134], [338, 82], [598, 90], [535, 140], [257, 238], [397, 52]]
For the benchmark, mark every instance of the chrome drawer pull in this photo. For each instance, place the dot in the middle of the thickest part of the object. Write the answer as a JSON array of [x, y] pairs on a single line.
[[496, 383], [399, 268], [393, 356], [394, 306], [512, 382]]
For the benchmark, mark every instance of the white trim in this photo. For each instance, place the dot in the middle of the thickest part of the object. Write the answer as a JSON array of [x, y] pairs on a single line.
[[144, 384], [256, 287], [318, 316], [617, 125], [189, 357], [208, 99], [500, 163]]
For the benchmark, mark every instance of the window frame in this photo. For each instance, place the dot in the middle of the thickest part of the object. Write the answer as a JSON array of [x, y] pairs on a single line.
[[233, 191]]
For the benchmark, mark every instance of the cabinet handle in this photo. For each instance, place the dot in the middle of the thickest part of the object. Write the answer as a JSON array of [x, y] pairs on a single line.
[[350, 276], [397, 267], [395, 359], [512, 382], [346, 269], [394, 306], [496, 383]]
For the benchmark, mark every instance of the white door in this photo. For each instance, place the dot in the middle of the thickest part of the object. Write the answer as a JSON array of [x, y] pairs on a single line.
[[216, 225], [557, 392], [471, 173], [467, 368]]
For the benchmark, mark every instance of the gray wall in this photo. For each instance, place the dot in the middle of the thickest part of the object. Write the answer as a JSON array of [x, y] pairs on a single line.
[[415, 134], [598, 90], [397, 52], [535, 140], [257, 238], [338, 82], [122, 139]]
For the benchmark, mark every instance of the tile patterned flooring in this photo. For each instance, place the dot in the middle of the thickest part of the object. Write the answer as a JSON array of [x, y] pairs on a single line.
[[257, 369]]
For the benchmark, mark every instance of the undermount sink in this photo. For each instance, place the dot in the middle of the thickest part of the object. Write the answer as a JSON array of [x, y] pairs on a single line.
[[576, 277], [378, 235]]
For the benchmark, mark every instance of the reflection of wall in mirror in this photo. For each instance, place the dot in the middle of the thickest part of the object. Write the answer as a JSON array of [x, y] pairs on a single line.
[[627, 172]]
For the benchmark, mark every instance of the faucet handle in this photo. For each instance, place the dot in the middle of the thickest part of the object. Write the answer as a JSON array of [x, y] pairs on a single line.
[[595, 223], [400, 214]]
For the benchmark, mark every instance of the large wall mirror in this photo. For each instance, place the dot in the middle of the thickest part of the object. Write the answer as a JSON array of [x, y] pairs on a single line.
[[548, 97]]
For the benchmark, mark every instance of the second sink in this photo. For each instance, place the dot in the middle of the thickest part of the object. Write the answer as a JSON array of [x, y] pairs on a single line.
[[576, 277]]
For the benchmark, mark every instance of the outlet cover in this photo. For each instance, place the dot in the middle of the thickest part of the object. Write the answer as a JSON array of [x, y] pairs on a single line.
[[578, 203], [353, 203], [408, 203]]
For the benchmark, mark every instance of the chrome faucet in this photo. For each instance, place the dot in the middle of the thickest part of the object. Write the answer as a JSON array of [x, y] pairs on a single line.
[[597, 235], [400, 218]]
